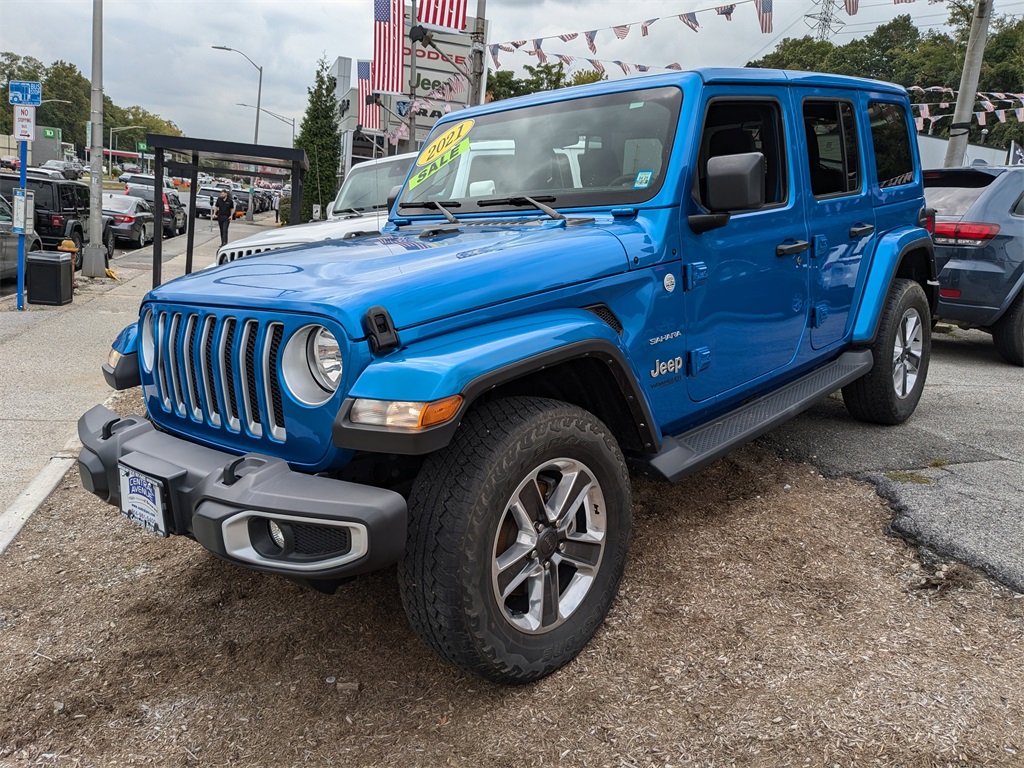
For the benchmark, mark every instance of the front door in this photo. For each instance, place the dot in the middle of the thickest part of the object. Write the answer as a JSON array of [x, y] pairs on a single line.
[[746, 282], [840, 214]]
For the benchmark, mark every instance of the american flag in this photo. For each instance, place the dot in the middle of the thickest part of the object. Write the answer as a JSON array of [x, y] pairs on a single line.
[[567, 60], [646, 26], [623, 66], [590, 40], [621, 31], [506, 48], [897, 2], [568, 36], [597, 65], [764, 14], [388, 32], [725, 10], [690, 20], [517, 43], [541, 56], [852, 6], [675, 65], [494, 55], [643, 68], [368, 115], [442, 14], [456, 84]]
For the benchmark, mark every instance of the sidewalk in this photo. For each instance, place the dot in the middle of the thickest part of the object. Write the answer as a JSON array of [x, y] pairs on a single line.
[[50, 357]]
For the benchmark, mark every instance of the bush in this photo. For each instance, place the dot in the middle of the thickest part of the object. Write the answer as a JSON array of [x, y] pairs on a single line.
[[285, 209]]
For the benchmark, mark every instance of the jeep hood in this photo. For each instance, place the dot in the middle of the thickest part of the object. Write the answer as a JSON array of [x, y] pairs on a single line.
[[313, 232], [417, 278]]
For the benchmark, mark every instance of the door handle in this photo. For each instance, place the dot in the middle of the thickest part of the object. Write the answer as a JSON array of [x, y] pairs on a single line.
[[788, 249], [862, 229]]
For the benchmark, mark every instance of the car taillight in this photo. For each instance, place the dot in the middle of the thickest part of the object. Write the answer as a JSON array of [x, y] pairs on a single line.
[[119, 219], [56, 220], [167, 208], [963, 233]]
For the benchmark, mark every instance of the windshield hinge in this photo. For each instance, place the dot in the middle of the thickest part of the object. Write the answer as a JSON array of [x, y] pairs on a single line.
[[381, 329]]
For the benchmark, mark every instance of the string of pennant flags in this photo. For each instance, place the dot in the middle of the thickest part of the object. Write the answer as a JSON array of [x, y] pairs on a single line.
[[764, 9], [987, 100]]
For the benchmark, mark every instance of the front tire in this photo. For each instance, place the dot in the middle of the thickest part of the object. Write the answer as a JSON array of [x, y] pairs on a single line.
[[1008, 332], [517, 539], [890, 391], [76, 238]]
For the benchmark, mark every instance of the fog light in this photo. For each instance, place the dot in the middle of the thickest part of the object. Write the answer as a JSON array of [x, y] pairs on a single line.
[[276, 534]]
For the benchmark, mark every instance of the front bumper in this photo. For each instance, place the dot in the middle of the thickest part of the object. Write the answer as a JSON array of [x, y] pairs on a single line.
[[332, 529]]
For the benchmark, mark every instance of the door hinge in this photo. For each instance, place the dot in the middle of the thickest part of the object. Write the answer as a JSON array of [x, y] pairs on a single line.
[[698, 360], [819, 313], [695, 274], [820, 246]]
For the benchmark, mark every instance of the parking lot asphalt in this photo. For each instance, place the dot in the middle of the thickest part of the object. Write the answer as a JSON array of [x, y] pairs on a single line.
[[50, 356], [954, 473]]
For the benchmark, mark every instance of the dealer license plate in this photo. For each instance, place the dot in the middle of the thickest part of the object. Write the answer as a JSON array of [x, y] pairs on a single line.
[[142, 500]]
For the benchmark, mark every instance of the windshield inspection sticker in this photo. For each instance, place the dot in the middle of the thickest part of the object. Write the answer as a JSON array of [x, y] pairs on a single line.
[[643, 179]]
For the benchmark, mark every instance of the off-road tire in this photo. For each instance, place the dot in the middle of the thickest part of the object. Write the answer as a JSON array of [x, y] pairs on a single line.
[[76, 238], [108, 245], [461, 497], [874, 397], [1008, 332]]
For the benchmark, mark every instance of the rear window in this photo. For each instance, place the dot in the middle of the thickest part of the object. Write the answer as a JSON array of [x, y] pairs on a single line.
[[890, 134], [952, 194], [117, 203], [43, 192]]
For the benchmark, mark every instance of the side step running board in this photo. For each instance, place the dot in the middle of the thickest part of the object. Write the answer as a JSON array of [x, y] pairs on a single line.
[[684, 454]]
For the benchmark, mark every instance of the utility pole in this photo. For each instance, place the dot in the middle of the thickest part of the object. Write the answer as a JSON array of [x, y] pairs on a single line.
[[413, 80], [94, 261], [957, 146], [478, 82]]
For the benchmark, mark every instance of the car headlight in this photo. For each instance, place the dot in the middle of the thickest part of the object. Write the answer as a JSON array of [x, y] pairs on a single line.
[[312, 364], [324, 355], [147, 344]]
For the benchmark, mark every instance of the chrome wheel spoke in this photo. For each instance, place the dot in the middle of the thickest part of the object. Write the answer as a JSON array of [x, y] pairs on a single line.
[[583, 555], [514, 566], [569, 495], [550, 597]]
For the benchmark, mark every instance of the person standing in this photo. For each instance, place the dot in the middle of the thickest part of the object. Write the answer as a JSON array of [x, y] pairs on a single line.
[[276, 198], [225, 210]]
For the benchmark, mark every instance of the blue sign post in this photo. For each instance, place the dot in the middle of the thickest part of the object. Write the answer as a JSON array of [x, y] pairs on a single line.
[[24, 93], [28, 93]]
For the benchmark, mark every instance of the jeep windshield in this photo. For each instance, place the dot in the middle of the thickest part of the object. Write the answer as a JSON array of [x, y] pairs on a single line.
[[368, 185], [593, 151]]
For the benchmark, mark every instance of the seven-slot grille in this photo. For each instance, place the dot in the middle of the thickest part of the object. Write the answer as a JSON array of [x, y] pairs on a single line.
[[221, 370]]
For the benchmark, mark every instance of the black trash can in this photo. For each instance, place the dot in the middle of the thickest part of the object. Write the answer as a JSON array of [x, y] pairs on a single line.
[[50, 276]]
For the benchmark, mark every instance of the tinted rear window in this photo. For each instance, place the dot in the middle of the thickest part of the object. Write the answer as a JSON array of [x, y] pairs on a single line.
[[43, 191], [952, 194], [118, 203]]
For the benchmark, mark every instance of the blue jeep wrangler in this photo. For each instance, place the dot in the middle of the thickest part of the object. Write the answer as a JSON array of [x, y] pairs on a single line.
[[658, 269]]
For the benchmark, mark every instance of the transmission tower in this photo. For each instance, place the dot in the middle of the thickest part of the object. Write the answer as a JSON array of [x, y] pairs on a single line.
[[825, 22]]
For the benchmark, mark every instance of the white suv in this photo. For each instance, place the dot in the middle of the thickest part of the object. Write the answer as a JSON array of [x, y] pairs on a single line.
[[361, 208]]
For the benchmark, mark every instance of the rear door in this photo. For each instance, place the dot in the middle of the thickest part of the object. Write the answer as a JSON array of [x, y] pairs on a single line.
[[840, 213]]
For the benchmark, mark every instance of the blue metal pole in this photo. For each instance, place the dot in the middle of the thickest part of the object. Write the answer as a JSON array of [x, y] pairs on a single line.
[[21, 238]]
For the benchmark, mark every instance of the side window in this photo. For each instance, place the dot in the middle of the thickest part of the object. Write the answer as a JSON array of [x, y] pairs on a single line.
[[83, 198], [6, 214], [833, 155], [890, 134], [67, 198], [733, 128], [1018, 209]]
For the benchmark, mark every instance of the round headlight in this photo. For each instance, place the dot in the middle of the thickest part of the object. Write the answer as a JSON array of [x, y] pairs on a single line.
[[324, 355], [146, 343]]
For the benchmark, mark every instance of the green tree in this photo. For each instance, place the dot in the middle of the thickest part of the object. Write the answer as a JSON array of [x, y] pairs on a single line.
[[543, 77], [320, 136], [64, 81], [804, 53], [586, 76]]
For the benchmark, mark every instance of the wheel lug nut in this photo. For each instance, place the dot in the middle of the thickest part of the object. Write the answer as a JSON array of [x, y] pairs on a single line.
[[561, 546], [547, 565], [538, 527], [533, 554]]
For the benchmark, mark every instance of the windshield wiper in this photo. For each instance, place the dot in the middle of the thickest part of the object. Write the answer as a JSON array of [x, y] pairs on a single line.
[[437, 206], [356, 212], [536, 202]]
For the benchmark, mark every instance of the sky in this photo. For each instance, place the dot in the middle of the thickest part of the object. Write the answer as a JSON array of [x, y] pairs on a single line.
[[157, 53]]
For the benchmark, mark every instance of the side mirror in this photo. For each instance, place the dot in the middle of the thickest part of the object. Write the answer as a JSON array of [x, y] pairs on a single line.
[[393, 195], [736, 182]]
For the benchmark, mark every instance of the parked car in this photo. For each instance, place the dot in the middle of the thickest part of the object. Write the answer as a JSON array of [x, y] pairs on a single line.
[[49, 173], [175, 217], [149, 180], [360, 208], [66, 168], [9, 241], [979, 251], [204, 201], [643, 276], [132, 218], [61, 206], [10, 161]]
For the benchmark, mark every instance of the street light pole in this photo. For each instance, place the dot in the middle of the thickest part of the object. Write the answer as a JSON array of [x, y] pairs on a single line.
[[256, 134], [111, 143], [282, 118]]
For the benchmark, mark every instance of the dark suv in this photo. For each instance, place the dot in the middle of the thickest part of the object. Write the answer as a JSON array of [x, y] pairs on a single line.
[[979, 251], [62, 209]]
